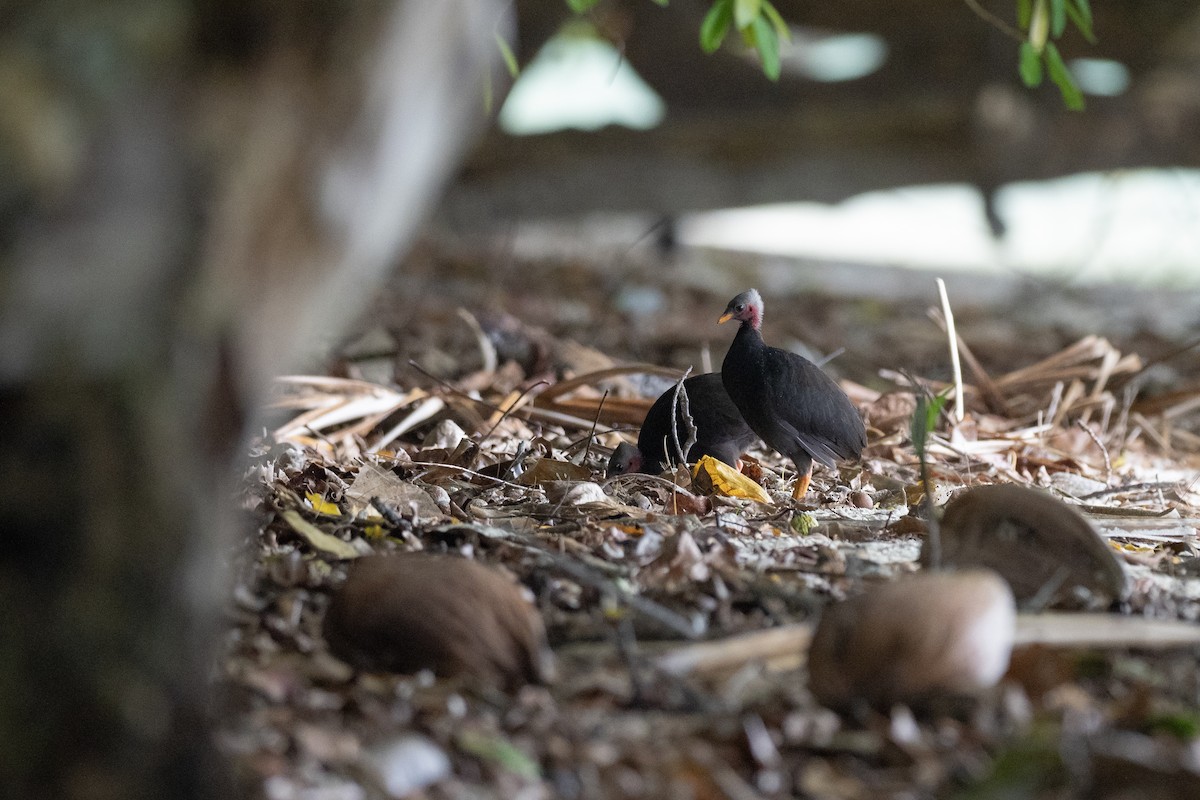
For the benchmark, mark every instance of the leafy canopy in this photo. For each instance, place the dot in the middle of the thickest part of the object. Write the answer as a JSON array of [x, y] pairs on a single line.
[[1039, 24]]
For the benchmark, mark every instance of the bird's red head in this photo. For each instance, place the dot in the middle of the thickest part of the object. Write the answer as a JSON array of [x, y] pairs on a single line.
[[746, 307], [625, 458]]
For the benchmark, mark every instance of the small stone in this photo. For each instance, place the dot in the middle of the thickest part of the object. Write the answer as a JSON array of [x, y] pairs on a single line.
[[446, 435], [407, 764], [572, 493], [860, 499]]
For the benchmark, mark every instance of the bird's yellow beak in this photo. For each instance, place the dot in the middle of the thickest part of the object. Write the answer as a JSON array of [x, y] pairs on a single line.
[[725, 317]]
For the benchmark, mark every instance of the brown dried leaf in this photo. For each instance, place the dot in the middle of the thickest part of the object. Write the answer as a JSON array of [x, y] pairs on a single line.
[[373, 481], [320, 540], [549, 469]]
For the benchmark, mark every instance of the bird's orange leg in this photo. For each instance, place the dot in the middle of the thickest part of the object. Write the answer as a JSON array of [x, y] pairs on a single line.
[[801, 487]]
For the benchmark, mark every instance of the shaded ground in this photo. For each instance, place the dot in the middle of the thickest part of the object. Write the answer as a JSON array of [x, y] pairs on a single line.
[[620, 579]]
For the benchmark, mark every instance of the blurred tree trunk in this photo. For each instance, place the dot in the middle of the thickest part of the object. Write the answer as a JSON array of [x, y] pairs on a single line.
[[189, 188]]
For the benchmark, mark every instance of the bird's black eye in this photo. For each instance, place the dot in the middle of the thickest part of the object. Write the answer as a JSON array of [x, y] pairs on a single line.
[[739, 307]]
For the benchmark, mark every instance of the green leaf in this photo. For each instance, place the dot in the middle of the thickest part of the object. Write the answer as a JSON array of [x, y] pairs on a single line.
[[1058, 17], [1183, 725], [776, 19], [1085, 10], [1024, 13], [1083, 23], [745, 12], [581, 6], [510, 58], [935, 409], [803, 524], [1062, 78], [917, 430], [499, 751], [1030, 66], [715, 25], [925, 418], [1039, 25], [767, 42]]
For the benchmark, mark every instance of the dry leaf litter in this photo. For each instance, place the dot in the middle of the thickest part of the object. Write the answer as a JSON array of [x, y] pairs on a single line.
[[680, 616]]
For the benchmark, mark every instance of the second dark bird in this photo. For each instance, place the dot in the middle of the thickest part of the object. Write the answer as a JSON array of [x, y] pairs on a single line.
[[786, 399], [720, 430]]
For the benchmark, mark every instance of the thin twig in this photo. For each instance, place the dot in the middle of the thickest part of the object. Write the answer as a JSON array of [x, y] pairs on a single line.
[[586, 576], [592, 433], [445, 384], [987, 387], [1103, 450], [682, 454], [468, 471], [1049, 589], [933, 530], [512, 407], [522, 450], [948, 315], [588, 378], [1131, 487], [388, 513], [994, 21], [821, 362], [527, 414], [626, 639], [487, 350]]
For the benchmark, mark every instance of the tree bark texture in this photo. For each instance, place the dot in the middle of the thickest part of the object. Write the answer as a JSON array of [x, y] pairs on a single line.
[[196, 194]]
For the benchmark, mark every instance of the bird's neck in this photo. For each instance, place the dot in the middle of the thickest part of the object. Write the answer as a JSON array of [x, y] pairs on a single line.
[[749, 335]]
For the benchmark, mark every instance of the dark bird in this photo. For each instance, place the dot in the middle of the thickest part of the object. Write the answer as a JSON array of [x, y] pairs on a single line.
[[720, 430], [786, 399]]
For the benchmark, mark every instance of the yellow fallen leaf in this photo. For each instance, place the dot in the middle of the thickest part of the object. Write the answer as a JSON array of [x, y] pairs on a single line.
[[1130, 547], [319, 539], [728, 481], [373, 532], [915, 493], [322, 506]]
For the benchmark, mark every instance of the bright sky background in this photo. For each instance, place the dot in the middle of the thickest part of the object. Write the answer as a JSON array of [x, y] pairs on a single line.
[[1141, 226]]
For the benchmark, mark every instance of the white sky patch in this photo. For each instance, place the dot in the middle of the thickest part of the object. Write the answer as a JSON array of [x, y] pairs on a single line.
[[579, 82], [1100, 76], [833, 57], [1141, 226]]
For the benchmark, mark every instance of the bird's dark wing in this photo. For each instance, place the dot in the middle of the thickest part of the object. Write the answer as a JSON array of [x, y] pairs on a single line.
[[717, 419], [811, 408], [720, 428], [816, 446]]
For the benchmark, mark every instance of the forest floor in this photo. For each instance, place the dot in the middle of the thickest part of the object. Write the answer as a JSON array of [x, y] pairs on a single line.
[[483, 394]]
